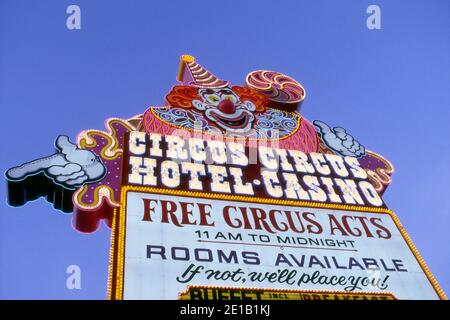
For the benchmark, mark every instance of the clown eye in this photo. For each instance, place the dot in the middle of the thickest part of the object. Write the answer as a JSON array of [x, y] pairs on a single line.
[[213, 98]]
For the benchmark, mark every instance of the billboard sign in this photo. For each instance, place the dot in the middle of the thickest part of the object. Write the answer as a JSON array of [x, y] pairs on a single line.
[[167, 241]]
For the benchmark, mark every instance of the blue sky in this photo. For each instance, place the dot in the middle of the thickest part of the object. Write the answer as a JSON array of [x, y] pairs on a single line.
[[390, 88]]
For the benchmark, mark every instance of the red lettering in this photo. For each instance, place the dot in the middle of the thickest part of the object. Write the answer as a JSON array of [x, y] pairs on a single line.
[[292, 224], [274, 222], [247, 224], [226, 217], [259, 217], [148, 210], [354, 232], [168, 209], [384, 232], [205, 214], [366, 229], [335, 225], [186, 213], [313, 223]]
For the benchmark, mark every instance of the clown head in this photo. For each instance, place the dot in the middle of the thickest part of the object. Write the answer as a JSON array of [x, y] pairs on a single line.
[[232, 110], [223, 107]]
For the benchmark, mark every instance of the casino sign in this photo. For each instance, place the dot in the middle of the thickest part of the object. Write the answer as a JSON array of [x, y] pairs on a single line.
[[226, 192]]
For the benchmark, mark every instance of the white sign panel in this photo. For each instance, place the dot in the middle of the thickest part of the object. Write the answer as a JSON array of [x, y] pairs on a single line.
[[167, 242]]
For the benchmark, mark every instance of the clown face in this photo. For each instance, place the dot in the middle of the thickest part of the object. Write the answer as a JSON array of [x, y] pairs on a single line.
[[223, 107]]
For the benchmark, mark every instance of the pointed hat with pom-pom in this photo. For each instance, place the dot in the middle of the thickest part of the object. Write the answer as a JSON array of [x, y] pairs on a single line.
[[192, 74]]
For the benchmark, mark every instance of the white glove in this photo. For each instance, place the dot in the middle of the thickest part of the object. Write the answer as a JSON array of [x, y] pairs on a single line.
[[338, 140], [70, 167]]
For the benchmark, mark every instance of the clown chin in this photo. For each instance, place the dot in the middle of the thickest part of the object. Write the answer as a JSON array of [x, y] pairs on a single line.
[[239, 122]]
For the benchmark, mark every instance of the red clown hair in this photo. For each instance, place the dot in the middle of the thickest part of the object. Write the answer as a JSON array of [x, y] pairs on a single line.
[[182, 96]]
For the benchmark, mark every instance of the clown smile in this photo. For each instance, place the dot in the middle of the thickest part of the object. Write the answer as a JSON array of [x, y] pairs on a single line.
[[240, 121]]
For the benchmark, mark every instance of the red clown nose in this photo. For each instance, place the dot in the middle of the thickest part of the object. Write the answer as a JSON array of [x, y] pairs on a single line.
[[227, 106]]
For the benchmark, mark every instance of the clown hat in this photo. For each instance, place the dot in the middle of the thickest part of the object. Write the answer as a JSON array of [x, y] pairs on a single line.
[[192, 74]]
